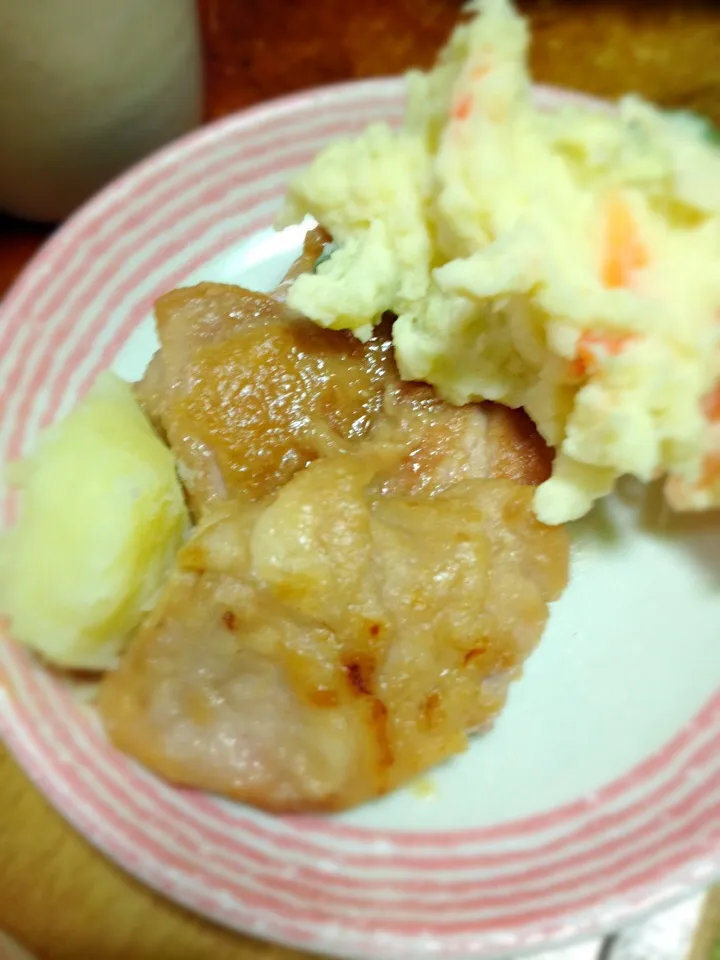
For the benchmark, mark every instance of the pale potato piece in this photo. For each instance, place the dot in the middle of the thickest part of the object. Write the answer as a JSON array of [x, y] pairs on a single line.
[[102, 517]]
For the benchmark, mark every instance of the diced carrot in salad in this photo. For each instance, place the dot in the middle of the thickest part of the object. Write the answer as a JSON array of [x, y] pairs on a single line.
[[590, 344], [711, 404], [623, 251], [463, 107], [710, 470]]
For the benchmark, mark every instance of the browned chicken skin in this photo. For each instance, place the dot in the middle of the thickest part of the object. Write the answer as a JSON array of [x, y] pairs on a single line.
[[246, 398], [366, 576]]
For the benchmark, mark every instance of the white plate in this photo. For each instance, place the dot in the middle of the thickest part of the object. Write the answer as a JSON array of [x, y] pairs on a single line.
[[597, 795]]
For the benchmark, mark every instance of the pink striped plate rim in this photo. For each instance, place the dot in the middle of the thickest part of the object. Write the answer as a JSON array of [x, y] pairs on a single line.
[[519, 885]]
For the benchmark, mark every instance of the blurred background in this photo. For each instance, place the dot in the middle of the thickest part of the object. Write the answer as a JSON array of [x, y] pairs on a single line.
[[194, 64], [249, 51], [667, 49]]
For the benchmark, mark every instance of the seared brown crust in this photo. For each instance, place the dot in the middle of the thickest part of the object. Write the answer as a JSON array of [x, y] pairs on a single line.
[[315, 242]]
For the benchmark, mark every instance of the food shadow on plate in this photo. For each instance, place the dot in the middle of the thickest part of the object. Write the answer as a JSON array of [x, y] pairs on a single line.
[[693, 534]]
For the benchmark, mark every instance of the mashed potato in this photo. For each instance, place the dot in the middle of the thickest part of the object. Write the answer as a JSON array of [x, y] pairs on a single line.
[[567, 262], [103, 514]]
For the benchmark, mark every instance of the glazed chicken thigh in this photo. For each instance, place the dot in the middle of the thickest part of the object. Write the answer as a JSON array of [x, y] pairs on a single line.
[[366, 575]]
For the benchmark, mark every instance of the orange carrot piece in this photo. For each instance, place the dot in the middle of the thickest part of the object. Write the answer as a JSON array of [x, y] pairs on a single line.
[[462, 108], [710, 471], [711, 404], [587, 347], [624, 250]]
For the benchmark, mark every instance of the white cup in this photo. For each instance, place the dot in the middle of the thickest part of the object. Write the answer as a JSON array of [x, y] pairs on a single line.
[[87, 87]]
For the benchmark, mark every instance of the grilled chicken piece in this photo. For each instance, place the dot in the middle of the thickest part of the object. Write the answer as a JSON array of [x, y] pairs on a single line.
[[318, 650], [446, 444], [246, 396], [366, 577]]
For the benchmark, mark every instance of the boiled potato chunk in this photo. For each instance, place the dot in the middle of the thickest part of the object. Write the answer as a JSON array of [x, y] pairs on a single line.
[[102, 517]]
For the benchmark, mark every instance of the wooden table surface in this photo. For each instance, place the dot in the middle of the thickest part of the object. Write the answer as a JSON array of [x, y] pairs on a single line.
[[57, 895]]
